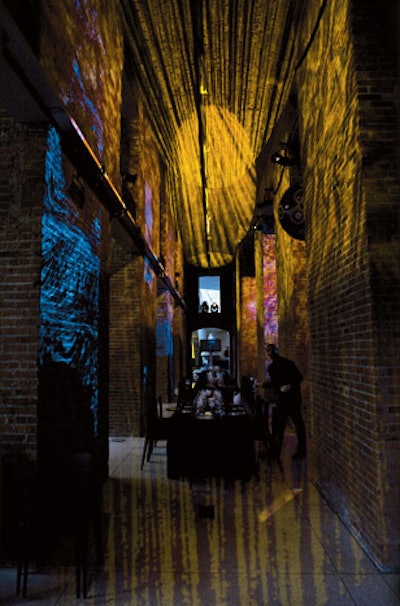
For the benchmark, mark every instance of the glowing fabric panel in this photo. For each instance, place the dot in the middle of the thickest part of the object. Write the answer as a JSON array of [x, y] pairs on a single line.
[[215, 77]]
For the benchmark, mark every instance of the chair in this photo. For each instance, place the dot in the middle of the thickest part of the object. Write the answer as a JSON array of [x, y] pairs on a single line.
[[156, 429], [185, 392], [20, 512]]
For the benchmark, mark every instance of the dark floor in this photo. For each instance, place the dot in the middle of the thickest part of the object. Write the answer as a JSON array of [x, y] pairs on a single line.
[[270, 541]]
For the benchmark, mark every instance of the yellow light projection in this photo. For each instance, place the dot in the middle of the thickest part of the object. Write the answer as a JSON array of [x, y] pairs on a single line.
[[230, 182], [215, 77]]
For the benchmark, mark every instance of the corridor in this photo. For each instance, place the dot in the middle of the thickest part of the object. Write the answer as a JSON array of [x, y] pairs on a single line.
[[270, 541]]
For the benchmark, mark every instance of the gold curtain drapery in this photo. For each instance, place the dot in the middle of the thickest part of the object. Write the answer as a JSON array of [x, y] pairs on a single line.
[[214, 76]]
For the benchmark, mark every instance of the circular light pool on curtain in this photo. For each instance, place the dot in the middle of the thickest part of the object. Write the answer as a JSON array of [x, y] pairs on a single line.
[[230, 179]]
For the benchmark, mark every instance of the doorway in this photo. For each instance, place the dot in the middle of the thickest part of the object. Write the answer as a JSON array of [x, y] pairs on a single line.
[[210, 347]]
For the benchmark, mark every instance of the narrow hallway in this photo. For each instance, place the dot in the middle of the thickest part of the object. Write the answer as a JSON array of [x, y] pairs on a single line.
[[270, 541]]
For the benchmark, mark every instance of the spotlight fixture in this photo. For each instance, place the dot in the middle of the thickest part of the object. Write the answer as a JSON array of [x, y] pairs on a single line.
[[282, 159], [285, 156], [129, 177]]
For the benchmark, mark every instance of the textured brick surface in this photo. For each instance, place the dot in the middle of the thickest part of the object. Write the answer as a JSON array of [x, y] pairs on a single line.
[[352, 260], [21, 206], [338, 293]]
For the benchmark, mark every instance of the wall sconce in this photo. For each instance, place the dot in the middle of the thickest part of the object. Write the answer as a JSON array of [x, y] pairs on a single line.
[[129, 177]]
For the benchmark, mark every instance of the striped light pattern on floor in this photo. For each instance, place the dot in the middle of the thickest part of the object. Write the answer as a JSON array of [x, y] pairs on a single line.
[[255, 548]]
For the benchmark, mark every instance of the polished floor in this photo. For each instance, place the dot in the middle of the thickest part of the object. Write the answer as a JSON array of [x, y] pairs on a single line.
[[270, 541]]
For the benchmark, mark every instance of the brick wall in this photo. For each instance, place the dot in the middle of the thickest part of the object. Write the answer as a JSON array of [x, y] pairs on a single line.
[[270, 297], [125, 383], [133, 291], [145, 325], [32, 182], [341, 156], [81, 50], [376, 52], [22, 153], [164, 311]]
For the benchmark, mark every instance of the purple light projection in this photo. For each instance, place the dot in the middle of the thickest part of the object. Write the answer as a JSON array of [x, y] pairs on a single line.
[[270, 292], [148, 230]]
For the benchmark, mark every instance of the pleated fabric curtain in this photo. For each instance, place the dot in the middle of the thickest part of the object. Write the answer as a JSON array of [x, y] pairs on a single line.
[[215, 76]]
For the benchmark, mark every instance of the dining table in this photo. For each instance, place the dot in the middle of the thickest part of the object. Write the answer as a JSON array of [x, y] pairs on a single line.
[[204, 445]]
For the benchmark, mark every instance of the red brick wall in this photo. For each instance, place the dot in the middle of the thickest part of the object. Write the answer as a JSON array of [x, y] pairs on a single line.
[[22, 152], [73, 56], [125, 383], [375, 32], [347, 117], [146, 327], [133, 293], [81, 50]]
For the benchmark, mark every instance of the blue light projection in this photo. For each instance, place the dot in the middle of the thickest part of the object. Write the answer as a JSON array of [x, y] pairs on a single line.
[[164, 336], [87, 103], [69, 299], [88, 76]]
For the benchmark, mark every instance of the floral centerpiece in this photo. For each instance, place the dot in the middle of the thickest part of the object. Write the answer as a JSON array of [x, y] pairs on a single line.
[[209, 399]]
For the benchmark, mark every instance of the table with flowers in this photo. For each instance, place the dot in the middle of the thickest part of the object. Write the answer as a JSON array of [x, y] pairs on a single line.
[[211, 437]]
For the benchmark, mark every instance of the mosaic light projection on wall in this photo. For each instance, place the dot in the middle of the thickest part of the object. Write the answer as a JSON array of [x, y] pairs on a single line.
[[87, 73], [148, 230], [270, 300], [69, 300], [216, 76], [164, 334], [164, 340]]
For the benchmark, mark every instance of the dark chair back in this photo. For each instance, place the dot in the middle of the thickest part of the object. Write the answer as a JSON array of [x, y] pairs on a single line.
[[156, 428]]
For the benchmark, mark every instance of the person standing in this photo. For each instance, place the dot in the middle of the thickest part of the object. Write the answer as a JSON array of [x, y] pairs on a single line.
[[285, 381]]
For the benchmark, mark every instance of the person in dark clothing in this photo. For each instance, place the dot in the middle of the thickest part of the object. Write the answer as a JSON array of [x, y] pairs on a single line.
[[285, 381]]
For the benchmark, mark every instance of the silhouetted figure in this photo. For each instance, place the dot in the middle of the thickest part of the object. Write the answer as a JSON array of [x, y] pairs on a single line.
[[285, 380], [247, 395], [204, 308]]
